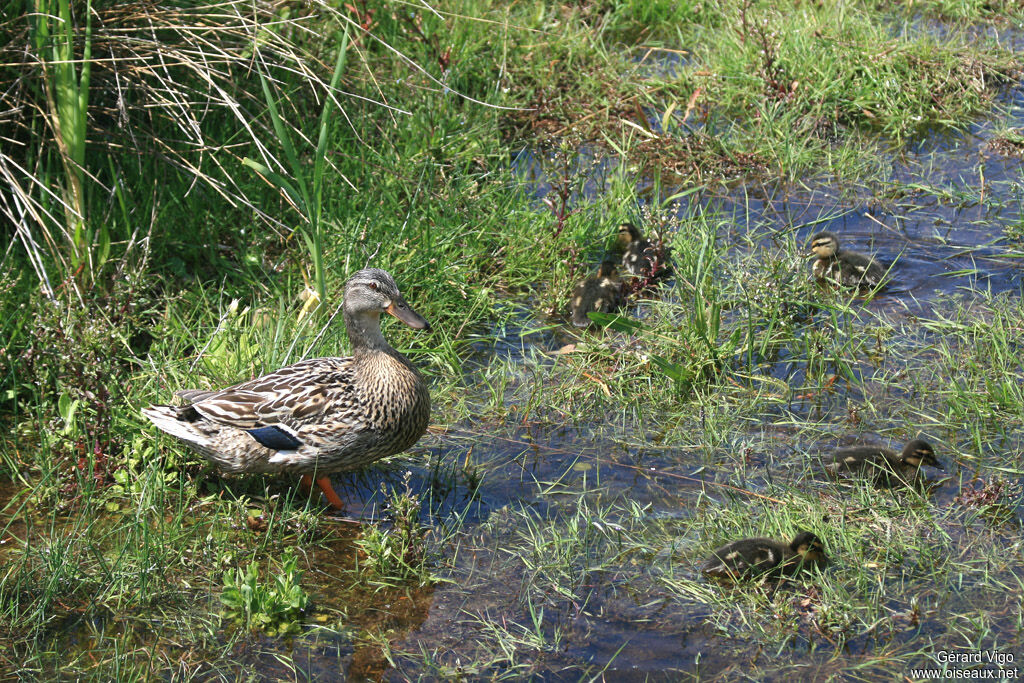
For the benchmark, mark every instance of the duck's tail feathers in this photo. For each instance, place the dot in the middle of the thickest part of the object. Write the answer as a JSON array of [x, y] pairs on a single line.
[[166, 419]]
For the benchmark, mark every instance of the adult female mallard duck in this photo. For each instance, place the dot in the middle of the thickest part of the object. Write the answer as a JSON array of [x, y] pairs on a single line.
[[320, 415], [882, 465], [639, 256], [601, 293], [752, 557], [846, 268]]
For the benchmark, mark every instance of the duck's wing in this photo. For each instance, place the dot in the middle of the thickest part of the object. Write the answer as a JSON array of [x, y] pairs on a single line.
[[749, 557], [862, 457], [635, 260], [611, 295], [287, 398], [193, 395], [763, 556], [722, 563], [862, 270]]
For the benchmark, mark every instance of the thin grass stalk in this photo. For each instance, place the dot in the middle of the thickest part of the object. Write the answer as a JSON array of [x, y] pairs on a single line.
[[18, 208], [319, 163]]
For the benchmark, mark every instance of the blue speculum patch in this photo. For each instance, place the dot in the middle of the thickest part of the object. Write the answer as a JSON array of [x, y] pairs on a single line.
[[275, 437]]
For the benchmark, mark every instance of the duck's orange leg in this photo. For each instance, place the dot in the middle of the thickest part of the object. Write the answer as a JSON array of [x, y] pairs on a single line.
[[306, 484], [325, 485]]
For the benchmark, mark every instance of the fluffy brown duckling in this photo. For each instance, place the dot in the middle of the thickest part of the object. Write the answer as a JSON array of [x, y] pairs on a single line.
[[882, 465], [752, 557], [601, 293], [846, 268], [639, 256]]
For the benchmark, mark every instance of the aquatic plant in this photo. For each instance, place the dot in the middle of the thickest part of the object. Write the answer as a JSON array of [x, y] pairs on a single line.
[[397, 553], [273, 607]]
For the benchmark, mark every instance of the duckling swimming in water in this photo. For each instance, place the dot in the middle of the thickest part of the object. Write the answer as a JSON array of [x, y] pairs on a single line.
[[639, 256], [601, 293], [846, 268], [882, 465], [752, 557]]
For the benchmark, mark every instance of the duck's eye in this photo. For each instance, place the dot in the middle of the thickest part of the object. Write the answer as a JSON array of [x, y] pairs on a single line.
[[374, 284]]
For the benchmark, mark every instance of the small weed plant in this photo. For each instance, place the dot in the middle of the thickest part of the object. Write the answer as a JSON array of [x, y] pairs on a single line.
[[273, 607], [399, 553]]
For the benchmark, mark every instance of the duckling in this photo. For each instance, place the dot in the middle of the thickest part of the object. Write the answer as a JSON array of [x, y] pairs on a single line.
[[883, 465], [639, 256], [846, 268], [601, 293], [752, 557]]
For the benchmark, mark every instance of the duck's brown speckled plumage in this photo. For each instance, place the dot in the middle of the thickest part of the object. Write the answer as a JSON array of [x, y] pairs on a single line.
[[339, 413]]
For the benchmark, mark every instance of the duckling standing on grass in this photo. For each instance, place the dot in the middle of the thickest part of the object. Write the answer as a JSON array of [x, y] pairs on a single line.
[[882, 465], [846, 268], [752, 557], [320, 415], [639, 256], [601, 293]]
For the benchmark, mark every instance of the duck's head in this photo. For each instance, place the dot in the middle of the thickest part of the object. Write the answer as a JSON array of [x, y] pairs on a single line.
[[824, 245], [373, 291], [628, 233], [809, 547], [919, 452], [608, 269]]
